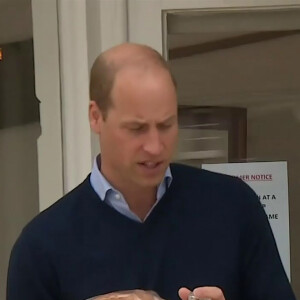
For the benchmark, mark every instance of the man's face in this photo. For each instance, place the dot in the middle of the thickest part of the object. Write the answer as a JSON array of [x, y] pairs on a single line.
[[140, 131]]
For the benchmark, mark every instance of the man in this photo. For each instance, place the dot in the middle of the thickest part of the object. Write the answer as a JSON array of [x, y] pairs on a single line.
[[138, 222]]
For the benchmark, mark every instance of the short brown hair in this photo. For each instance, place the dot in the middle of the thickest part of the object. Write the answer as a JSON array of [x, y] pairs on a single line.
[[104, 71], [101, 83]]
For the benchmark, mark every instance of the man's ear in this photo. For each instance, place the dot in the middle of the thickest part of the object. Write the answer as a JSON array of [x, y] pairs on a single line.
[[95, 116]]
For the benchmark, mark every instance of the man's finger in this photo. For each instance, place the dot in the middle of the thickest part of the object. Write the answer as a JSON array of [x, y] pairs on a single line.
[[184, 293], [211, 292]]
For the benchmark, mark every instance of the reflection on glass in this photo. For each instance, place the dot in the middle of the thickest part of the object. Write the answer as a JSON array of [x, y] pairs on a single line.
[[246, 59], [19, 129], [212, 134]]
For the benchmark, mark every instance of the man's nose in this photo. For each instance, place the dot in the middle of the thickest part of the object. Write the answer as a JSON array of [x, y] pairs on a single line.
[[153, 143]]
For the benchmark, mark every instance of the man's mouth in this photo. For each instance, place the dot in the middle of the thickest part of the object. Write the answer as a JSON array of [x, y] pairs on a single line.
[[150, 164]]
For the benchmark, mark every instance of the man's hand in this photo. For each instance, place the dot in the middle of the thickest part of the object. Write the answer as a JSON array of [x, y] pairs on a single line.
[[129, 295], [210, 292]]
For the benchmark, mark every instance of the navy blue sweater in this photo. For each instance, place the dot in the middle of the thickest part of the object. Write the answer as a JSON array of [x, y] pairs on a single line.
[[207, 230]]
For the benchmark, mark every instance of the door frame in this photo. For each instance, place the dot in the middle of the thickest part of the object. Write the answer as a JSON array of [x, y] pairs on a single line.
[[149, 13]]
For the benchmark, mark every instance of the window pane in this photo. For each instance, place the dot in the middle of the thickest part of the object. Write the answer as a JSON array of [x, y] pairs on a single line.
[[238, 75]]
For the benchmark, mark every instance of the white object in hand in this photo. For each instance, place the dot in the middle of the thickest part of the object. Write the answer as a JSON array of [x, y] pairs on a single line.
[[193, 297]]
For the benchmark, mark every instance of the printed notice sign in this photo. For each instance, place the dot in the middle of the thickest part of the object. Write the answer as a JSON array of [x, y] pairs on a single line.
[[269, 181]]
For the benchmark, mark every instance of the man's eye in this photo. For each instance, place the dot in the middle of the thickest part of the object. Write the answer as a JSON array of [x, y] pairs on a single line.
[[136, 128], [165, 126]]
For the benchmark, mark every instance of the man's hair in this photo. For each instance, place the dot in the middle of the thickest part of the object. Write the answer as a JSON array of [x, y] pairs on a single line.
[[103, 74], [101, 83]]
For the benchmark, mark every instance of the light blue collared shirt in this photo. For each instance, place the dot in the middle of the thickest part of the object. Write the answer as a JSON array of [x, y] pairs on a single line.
[[115, 199]]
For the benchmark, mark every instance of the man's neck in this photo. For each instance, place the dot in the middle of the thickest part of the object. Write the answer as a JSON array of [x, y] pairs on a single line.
[[140, 201]]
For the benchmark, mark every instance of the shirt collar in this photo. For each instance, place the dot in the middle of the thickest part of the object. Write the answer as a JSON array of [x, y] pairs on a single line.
[[102, 186]]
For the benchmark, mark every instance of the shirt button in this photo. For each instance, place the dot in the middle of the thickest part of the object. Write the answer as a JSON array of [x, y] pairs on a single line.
[[117, 196]]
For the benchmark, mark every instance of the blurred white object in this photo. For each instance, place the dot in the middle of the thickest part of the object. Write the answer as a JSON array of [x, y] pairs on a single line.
[[193, 297]]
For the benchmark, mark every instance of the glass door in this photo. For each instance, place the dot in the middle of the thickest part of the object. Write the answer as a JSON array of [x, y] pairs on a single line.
[[237, 68]]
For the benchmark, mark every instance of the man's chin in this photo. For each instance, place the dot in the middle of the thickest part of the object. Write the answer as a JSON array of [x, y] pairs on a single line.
[[151, 181], [147, 177]]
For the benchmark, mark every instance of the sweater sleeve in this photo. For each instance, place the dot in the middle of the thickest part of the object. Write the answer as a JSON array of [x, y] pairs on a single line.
[[263, 275], [30, 274]]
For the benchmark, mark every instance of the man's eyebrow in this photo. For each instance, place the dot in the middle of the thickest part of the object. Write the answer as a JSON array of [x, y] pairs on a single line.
[[169, 119], [142, 122], [133, 122]]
